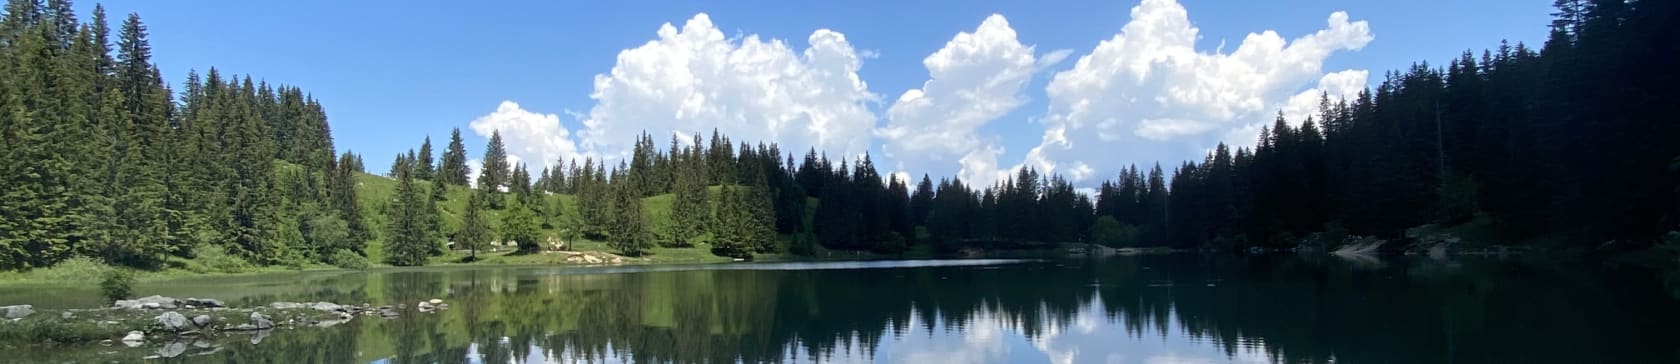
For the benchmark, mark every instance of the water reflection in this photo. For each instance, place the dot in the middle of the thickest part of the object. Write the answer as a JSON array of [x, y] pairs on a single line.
[[1172, 309]]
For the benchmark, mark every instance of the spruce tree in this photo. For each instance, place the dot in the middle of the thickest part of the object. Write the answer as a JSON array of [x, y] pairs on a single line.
[[690, 208], [452, 167], [475, 231], [495, 175], [629, 232], [408, 240], [434, 216], [423, 165]]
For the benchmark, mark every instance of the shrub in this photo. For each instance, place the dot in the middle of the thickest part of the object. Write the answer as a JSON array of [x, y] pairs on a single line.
[[75, 269], [214, 259], [1110, 232], [344, 258], [116, 284]]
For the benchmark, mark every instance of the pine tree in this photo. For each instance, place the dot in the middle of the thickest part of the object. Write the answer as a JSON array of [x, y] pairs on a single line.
[[434, 216], [475, 232], [495, 175], [342, 192], [760, 219], [690, 208], [408, 241], [423, 165], [453, 167], [629, 232]]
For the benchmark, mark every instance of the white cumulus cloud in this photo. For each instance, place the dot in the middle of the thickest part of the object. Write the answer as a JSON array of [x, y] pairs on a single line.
[[975, 79], [530, 137], [694, 79], [1147, 94]]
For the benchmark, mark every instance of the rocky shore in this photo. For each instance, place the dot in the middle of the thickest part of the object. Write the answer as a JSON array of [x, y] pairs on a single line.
[[182, 326]]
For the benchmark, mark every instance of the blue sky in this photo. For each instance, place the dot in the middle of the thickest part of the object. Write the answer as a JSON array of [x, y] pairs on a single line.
[[392, 72]]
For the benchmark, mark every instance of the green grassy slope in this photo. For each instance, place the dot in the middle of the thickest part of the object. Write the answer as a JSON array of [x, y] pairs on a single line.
[[375, 193]]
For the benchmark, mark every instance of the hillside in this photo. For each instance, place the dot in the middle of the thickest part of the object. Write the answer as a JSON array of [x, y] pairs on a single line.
[[375, 192]]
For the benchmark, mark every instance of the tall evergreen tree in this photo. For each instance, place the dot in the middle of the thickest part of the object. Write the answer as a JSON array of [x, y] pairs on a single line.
[[453, 167], [423, 165], [496, 171], [475, 231], [408, 241]]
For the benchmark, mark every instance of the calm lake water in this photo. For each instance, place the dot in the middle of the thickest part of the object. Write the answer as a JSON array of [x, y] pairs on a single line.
[[1151, 309]]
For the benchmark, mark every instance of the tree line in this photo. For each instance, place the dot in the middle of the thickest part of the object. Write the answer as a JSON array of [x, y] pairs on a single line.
[[1570, 145], [100, 158]]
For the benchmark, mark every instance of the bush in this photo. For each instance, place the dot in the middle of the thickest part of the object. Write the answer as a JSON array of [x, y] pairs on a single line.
[[76, 269], [344, 258], [214, 259], [116, 284], [1110, 232], [54, 331]]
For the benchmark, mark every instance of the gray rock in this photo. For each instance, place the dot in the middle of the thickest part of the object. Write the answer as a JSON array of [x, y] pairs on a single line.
[[17, 311], [435, 301], [423, 306], [243, 327], [203, 321], [151, 305], [260, 321], [172, 321], [67, 315], [286, 305], [127, 305], [325, 306], [134, 338], [160, 301], [205, 302]]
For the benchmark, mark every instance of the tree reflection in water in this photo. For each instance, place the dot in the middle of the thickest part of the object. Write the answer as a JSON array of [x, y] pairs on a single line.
[[1213, 308]]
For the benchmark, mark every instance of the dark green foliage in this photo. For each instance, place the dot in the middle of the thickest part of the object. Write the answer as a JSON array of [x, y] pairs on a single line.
[[1573, 141], [344, 258], [408, 240], [519, 226], [116, 284], [496, 172], [423, 163], [475, 231], [1110, 232], [630, 234], [691, 208], [452, 167]]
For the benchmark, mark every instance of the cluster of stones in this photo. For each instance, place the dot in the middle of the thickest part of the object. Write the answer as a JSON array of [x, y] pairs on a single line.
[[175, 322]]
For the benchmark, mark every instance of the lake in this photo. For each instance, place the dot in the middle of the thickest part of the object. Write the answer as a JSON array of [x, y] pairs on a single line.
[[1143, 309]]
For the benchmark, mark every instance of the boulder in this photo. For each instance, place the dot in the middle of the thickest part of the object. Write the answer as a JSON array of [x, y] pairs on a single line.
[[17, 311], [325, 306], [205, 302], [203, 321], [127, 305], [172, 321], [261, 322], [134, 338], [155, 301], [286, 305], [67, 315], [424, 306]]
